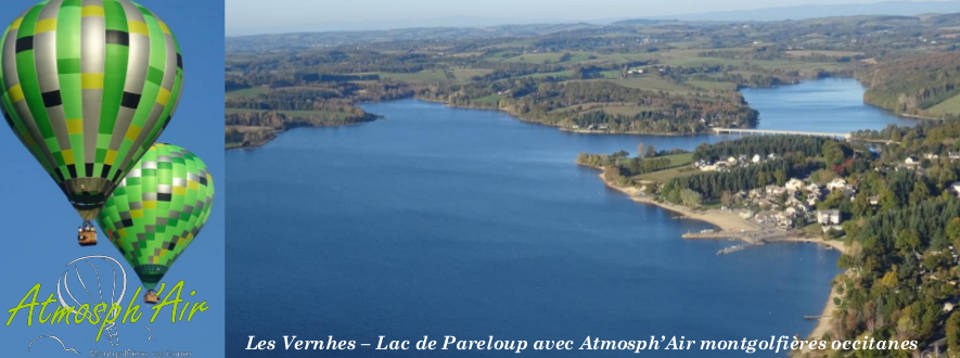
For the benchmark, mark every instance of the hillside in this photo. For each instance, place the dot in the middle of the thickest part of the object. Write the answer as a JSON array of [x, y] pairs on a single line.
[[926, 85]]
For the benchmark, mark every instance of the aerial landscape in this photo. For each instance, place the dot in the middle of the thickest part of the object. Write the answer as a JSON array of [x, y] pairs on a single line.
[[621, 178]]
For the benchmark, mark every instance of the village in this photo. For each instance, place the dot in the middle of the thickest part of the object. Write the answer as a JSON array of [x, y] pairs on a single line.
[[798, 203]]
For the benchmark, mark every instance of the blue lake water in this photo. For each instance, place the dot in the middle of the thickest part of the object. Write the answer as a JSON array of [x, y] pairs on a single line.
[[437, 221], [827, 105]]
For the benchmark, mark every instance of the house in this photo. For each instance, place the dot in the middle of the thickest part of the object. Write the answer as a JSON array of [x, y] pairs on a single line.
[[837, 184], [911, 161], [828, 217], [829, 220], [953, 155], [732, 160], [956, 188], [931, 156], [874, 200], [793, 185], [774, 189], [756, 158]]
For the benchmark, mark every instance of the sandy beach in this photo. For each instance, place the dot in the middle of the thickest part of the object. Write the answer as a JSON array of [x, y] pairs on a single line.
[[727, 220]]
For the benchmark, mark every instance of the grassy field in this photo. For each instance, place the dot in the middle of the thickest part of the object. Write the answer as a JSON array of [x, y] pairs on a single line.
[[489, 100], [950, 106], [665, 175], [467, 74], [425, 76], [680, 167], [247, 92], [653, 83]]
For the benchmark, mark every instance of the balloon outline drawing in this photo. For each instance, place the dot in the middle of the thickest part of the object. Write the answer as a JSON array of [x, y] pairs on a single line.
[[116, 266], [55, 338]]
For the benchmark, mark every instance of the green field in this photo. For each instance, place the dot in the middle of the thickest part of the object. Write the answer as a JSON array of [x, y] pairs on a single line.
[[950, 106], [653, 83], [248, 92], [416, 77], [680, 166]]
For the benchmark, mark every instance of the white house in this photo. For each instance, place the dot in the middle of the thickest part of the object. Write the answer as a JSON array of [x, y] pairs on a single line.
[[837, 184], [793, 185], [911, 161], [756, 158], [956, 188], [774, 189], [828, 217]]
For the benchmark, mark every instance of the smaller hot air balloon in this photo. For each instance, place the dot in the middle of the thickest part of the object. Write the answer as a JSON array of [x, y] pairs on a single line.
[[157, 211]]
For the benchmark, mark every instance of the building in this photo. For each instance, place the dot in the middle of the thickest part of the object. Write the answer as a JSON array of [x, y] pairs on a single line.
[[793, 185], [837, 184], [911, 161], [828, 217]]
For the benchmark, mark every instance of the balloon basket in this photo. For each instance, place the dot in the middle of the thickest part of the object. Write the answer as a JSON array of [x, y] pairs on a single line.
[[87, 237], [151, 298]]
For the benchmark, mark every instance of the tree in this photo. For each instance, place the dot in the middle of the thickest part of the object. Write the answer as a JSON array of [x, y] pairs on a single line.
[[727, 199], [833, 153], [919, 193], [953, 230], [953, 335], [691, 198], [908, 240], [781, 176]]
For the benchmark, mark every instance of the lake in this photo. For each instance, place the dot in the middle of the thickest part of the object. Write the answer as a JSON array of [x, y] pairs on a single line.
[[437, 221]]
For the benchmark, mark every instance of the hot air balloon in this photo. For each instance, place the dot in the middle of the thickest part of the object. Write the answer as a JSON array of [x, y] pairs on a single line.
[[87, 86], [157, 211]]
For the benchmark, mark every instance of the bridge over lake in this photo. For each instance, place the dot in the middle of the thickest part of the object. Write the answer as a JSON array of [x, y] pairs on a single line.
[[719, 130]]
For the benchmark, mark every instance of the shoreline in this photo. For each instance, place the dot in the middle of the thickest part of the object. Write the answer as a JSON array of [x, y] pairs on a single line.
[[516, 116], [730, 221]]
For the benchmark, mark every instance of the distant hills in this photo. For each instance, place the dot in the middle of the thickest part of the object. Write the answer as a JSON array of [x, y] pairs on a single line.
[[904, 8]]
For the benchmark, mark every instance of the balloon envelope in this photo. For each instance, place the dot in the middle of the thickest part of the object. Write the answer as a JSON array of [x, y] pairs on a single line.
[[158, 209], [87, 86]]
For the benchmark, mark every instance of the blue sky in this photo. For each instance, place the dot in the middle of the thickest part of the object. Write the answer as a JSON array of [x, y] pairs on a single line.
[[246, 17], [39, 224]]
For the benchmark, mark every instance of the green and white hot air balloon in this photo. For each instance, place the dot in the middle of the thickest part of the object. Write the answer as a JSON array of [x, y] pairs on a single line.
[[87, 86], [158, 210]]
